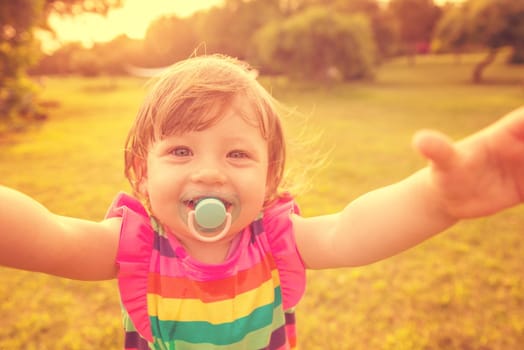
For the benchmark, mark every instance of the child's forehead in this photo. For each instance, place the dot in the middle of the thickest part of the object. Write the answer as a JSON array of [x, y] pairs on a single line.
[[232, 124], [200, 115]]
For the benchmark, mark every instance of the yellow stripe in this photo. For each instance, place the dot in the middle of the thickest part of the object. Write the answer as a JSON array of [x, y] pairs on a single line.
[[254, 340], [224, 311]]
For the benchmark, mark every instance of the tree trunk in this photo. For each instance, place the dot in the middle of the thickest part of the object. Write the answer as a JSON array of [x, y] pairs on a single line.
[[412, 54], [458, 55], [517, 56], [479, 68]]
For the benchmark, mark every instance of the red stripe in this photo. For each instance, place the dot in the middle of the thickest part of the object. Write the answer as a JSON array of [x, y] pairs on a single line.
[[210, 291]]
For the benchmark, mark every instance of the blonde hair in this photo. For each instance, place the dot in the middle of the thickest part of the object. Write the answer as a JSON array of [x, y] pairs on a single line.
[[193, 95]]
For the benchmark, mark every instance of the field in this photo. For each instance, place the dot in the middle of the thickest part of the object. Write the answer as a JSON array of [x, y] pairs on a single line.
[[461, 290]]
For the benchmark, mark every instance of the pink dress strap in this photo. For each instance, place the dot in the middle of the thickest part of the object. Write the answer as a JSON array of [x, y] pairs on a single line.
[[134, 253], [279, 231]]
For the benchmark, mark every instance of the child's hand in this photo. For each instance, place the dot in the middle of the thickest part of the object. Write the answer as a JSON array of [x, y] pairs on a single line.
[[481, 174]]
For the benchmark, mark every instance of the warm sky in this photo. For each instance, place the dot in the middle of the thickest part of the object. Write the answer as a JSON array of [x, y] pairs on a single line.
[[132, 19]]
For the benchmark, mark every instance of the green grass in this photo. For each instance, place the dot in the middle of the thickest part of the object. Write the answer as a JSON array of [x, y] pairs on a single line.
[[461, 290]]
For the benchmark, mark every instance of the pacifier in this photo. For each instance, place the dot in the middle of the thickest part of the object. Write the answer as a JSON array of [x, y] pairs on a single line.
[[208, 216]]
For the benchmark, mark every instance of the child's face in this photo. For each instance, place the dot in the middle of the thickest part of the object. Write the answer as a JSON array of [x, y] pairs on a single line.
[[228, 160]]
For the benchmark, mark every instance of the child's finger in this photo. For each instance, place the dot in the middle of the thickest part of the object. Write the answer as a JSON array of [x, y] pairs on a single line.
[[515, 119], [436, 147]]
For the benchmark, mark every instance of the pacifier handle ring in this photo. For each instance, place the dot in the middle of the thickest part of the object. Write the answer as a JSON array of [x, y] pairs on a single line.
[[194, 232]]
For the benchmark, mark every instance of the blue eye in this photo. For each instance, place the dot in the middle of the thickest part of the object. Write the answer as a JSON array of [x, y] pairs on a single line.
[[182, 151], [238, 154]]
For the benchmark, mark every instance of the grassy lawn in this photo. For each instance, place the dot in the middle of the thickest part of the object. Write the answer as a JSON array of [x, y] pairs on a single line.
[[461, 290]]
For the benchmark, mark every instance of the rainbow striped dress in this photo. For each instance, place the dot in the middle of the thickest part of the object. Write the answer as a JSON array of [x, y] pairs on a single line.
[[172, 301]]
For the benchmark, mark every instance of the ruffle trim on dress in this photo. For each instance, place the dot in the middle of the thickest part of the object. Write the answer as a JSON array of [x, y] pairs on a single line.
[[134, 254], [280, 234]]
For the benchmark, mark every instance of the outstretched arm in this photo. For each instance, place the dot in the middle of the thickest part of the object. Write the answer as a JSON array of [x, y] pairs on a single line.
[[32, 238], [477, 176]]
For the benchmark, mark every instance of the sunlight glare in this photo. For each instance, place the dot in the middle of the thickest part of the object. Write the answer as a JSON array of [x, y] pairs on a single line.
[[132, 19]]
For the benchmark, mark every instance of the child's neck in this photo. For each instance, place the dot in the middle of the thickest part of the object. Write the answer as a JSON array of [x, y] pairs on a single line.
[[209, 253]]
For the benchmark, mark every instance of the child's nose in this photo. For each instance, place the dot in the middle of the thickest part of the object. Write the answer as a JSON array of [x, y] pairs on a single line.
[[209, 176]]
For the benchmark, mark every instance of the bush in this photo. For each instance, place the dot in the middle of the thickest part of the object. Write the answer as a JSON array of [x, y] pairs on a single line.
[[315, 43]]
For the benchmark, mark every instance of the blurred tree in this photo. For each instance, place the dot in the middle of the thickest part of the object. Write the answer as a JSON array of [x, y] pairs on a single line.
[[290, 7], [76, 7], [169, 39], [85, 62], [59, 62], [116, 55], [495, 24], [490, 23], [229, 29], [450, 31], [108, 58], [318, 44], [385, 30], [383, 24], [19, 50], [416, 20]]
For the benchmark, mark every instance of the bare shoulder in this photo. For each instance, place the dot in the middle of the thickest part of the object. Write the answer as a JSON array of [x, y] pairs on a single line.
[[112, 225]]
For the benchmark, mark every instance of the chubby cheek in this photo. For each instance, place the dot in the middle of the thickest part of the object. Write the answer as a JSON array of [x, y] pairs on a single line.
[[167, 213], [247, 216], [253, 204], [161, 199]]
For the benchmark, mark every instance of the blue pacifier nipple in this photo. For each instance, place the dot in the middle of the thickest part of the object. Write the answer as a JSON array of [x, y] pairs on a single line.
[[210, 213]]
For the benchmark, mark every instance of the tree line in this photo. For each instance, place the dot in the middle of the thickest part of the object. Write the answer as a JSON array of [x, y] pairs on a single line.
[[312, 39]]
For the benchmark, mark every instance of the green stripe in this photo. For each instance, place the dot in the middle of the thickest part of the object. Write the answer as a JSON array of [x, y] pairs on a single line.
[[126, 320], [222, 334], [255, 340]]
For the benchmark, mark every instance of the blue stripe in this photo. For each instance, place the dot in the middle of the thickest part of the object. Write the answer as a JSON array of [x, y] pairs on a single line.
[[278, 338], [257, 227], [162, 245], [133, 340]]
